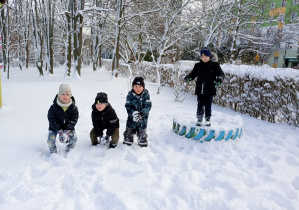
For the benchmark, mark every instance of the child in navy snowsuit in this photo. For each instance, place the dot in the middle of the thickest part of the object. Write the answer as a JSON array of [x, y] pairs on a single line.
[[63, 116], [209, 76], [138, 105]]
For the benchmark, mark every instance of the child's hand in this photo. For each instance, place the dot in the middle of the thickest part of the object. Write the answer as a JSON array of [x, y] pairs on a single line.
[[66, 135], [137, 116], [61, 137], [187, 79], [217, 84], [103, 140]]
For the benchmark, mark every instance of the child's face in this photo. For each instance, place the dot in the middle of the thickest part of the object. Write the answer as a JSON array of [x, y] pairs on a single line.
[[205, 58], [138, 89], [65, 98], [100, 106]]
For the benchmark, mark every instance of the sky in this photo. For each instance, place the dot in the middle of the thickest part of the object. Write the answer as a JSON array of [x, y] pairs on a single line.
[[259, 170]]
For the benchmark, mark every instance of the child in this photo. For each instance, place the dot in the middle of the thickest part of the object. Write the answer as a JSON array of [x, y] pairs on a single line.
[[104, 117], [209, 76], [138, 106], [63, 116]]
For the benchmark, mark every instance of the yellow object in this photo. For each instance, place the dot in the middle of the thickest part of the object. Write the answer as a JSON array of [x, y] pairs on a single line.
[[276, 54], [277, 11], [280, 25], [257, 57]]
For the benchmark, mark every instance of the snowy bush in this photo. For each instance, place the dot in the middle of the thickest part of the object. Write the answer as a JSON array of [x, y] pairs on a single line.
[[262, 92]]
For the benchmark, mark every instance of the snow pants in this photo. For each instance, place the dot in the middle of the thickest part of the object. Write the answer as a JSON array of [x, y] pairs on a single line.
[[52, 141], [204, 106]]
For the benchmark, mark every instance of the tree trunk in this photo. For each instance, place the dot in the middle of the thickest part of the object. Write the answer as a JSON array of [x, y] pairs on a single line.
[[68, 46], [115, 59]]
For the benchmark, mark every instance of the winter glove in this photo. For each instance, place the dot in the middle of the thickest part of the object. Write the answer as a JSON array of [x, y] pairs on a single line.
[[61, 137], [187, 79], [218, 81], [217, 84], [104, 140], [137, 116], [66, 135]]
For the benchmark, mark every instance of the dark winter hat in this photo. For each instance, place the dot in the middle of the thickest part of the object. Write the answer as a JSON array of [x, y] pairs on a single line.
[[206, 51], [102, 98], [65, 88], [138, 81]]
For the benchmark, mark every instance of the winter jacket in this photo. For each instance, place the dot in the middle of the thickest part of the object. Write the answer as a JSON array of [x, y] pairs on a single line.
[[60, 119], [105, 119], [206, 74], [140, 103]]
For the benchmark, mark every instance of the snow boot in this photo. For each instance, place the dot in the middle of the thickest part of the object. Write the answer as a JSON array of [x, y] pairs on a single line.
[[208, 122], [129, 136], [199, 122], [142, 138]]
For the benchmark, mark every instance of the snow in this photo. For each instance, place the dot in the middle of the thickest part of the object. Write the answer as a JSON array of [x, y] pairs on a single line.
[[258, 171]]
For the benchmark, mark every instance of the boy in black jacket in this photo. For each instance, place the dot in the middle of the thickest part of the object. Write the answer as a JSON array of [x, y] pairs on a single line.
[[209, 76], [63, 116], [104, 117]]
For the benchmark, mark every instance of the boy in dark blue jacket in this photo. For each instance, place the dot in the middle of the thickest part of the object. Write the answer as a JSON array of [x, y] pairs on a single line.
[[104, 118], [63, 116], [138, 105], [209, 76]]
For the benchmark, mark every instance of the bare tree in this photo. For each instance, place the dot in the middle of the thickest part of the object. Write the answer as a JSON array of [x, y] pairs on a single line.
[[167, 30]]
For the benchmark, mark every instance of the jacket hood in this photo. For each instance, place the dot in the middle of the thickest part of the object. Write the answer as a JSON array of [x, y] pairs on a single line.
[[214, 57]]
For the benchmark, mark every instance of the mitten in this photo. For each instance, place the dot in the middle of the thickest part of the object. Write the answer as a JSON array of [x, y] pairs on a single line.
[[187, 79], [137, 116], [105, 140], [218, 81], [99, 138], [66, 135], [61, 136]]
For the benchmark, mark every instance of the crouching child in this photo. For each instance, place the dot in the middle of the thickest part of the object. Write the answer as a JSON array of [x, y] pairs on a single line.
[[104, 118], [138, 106], [63, 116]]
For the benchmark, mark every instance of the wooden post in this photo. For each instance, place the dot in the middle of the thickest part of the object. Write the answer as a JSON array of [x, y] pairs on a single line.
[[1, 66], [0, 86]]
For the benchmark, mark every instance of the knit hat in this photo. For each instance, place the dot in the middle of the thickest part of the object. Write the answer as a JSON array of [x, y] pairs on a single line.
[[206, 51], [138, 81], [102, 98], [65, 88]]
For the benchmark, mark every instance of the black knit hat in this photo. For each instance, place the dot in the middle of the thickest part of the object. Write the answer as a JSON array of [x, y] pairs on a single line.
[[138, 81], [101, 98]]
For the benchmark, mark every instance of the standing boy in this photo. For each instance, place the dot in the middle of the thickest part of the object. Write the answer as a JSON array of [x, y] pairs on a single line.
[[209, 76], [138, 106], [104, 117], [63, 116]]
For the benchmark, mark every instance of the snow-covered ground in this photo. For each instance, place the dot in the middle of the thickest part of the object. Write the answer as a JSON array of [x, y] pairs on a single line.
[[258, 171]]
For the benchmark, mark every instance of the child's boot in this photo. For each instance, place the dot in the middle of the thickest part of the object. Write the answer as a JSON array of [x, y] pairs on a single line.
[[208, 121], [142, 138], [128, 136], [199, 122]]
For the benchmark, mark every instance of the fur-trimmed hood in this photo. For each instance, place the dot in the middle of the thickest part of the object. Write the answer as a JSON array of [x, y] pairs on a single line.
[[214, 57]]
